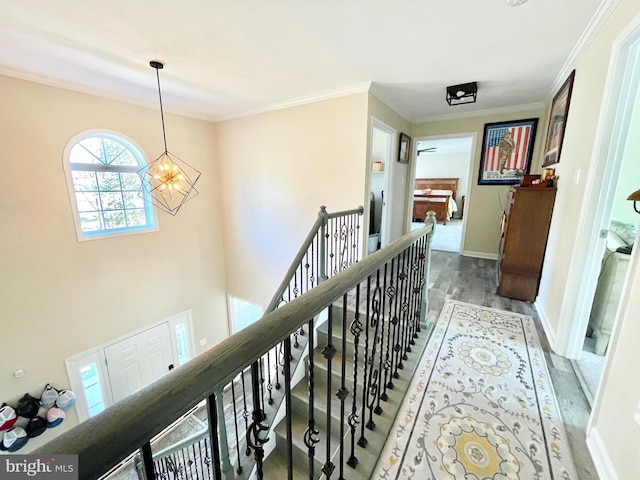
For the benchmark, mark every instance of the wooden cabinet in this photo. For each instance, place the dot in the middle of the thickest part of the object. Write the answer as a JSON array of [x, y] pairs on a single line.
[[523, 241]]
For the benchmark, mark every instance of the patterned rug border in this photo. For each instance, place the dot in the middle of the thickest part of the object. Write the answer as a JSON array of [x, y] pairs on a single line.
[[557, 464]]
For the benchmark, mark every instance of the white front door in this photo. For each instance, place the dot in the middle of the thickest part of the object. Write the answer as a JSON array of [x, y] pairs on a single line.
[[139, 360]]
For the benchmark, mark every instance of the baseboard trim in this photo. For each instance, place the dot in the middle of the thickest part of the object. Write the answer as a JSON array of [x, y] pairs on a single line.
[[487, 256], [599, 456], [544, 321]]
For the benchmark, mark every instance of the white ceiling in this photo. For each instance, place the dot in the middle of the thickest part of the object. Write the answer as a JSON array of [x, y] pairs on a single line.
[[227, 58]]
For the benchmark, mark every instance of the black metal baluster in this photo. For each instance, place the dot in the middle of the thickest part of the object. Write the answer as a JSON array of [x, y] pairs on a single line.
[[212, 415], [257, 427], [235, 421], [377, 306], [392, 323], [287, 400], [343, 392], [384, 362], [269, 384], [311, 434], [414, 289], [245, 412], [362, 441], [329, 352], [401, 344], [355, 329], [147, 460]]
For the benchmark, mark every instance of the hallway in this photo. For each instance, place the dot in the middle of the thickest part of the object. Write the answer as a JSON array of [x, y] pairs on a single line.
[[473, 280]]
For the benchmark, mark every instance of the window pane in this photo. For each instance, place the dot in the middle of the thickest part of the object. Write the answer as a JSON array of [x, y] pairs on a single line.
[[114, 219], [109, 181], [93, 150], [111, 201], [79, 154], [84, 181], [87, 202], [136, 218], [126, 158], [112, 150], [133, 200], [183, 344], [91, 222], [130, 181], [92, 389]]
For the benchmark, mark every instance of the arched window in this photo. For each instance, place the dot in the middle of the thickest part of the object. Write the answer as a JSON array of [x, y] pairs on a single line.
[[105, 187]]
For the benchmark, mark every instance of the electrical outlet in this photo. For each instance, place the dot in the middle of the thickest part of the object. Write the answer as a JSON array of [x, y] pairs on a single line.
[[603, 233], [203, 342]]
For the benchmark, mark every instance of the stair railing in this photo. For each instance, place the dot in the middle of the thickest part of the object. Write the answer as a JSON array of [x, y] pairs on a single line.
[[104, 440]]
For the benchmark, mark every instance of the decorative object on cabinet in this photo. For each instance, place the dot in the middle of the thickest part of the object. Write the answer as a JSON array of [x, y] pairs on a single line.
[[506, 151], [169, 180], [461, 94], [635, 197], [435, 194], [523, 241], [558, 122], [404, 148]]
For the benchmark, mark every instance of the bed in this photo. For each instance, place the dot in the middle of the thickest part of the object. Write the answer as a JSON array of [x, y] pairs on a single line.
[[437, 194]]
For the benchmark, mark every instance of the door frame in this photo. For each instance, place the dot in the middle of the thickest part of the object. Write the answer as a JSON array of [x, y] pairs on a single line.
[[470, 170], [621, 84], [97, 356], [389, 163]]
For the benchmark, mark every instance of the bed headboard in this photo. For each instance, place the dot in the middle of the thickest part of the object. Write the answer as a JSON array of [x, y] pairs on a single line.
[[438, 184]]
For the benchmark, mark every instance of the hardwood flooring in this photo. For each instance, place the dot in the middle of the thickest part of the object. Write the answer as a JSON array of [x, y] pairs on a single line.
[[473, 280]]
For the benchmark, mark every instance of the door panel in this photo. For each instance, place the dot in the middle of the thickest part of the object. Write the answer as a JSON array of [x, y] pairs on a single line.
[[138, 360]]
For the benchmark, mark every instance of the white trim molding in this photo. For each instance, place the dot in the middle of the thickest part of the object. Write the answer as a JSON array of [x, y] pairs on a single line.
[[486, 256], [482, 113], [599, 456], [544, 321]]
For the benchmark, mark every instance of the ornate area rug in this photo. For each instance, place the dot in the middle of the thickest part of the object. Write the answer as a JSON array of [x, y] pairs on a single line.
[[480, 406]]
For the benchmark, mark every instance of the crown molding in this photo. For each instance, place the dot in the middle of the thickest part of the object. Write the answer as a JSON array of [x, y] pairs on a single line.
[[343, 92], [597, 21], [481, 113]]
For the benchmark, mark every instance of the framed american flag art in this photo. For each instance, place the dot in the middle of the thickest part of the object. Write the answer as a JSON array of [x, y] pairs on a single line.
[[506, 151]]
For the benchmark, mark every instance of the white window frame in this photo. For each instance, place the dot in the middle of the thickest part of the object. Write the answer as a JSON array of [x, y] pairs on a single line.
[[233, 327], [82, 237]]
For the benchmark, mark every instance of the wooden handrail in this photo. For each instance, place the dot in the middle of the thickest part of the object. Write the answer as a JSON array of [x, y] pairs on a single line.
[[104, 440]]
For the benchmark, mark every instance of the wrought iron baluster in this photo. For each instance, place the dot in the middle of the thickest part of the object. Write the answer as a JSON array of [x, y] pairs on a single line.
[[287, 400], [392, 296], [355, 329], [401, 344], [311, 434], [269, 384], [236, 429], [366, 365], [245, 412], [329, 352], [377, 308], [386, 336], [343, 392], [212, 415], [257, 427], [147, 460], [194, 459]]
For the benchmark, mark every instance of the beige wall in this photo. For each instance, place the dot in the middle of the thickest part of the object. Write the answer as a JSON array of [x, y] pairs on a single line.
[[614, 437], [278, 169], [60, 297], [483, 207]]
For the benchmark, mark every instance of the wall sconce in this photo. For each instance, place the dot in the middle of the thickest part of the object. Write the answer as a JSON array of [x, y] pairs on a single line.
[[461, 94], [169, 180], [635, 197]]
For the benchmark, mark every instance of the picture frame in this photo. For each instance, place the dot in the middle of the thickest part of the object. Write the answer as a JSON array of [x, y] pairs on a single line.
[[404, 148], [506, 151], [557, 122]]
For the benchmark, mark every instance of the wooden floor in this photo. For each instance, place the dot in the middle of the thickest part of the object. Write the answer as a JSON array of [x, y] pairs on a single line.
[[473, 280]]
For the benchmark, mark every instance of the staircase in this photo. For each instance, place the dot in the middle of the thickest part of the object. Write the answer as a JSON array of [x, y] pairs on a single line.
[[275, 465], [276, 409]]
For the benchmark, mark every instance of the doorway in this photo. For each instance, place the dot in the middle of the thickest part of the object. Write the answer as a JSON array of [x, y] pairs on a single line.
[[599, 270], [381, 164], [449, 157], [106, 374]]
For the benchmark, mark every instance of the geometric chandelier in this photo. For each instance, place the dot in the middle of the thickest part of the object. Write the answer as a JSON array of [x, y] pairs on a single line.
[[169, 181]]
